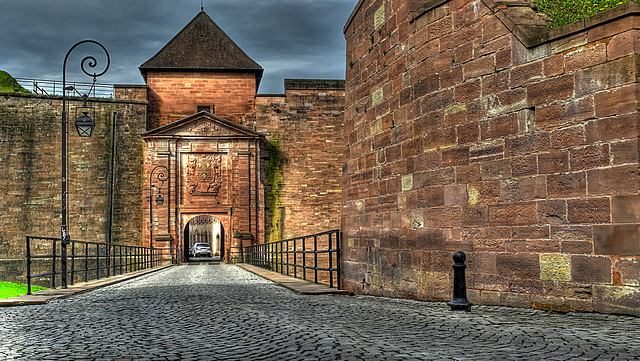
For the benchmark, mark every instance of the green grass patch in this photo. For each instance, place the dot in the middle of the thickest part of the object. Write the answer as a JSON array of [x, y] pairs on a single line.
[[8, 289], [563, 12], [8, 84]]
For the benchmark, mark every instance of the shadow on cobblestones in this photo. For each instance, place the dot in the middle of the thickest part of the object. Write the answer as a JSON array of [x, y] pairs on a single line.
[[226, 313]]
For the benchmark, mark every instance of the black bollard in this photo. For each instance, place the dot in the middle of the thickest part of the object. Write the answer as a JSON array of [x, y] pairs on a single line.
[[459, 300]]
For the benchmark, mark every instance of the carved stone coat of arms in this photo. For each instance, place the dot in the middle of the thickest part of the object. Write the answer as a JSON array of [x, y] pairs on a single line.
[[204, 174]]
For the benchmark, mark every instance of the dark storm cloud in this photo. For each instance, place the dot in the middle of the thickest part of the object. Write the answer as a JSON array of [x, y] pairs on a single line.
[[289, 38]]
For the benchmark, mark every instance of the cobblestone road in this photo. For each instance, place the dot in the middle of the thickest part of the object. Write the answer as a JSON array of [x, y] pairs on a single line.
[[226, 313]]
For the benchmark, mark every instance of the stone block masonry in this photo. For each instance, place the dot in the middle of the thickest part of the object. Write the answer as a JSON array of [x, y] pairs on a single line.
[[104, 172], [305, 125], [471, 126], [176, 95]]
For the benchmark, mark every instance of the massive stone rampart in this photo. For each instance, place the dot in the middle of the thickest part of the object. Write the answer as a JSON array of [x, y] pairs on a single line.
[[471, 126], [104, 177], [302, 162]]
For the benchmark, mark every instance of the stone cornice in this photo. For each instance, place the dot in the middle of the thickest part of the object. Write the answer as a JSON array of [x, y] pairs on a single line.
[[529, 27], [72, 98]]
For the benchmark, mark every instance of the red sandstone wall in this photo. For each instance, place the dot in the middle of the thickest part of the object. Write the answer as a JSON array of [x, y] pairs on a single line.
[[461, 138], [176, 95], [308, 122]]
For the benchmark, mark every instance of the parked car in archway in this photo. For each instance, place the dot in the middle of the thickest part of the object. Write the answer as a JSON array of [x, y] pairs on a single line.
[[200, 249]]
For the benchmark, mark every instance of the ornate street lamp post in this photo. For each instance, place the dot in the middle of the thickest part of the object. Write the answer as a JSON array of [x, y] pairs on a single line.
[[84, 125], [163, 175]]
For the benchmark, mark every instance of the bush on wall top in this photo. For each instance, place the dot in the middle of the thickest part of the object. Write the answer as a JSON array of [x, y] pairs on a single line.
[[563, 12]]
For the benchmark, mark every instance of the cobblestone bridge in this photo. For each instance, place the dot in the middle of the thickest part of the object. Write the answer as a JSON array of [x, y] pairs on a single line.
[[226, 313]]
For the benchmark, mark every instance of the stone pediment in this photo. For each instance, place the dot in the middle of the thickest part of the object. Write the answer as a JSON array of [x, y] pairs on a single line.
[[202, 125]]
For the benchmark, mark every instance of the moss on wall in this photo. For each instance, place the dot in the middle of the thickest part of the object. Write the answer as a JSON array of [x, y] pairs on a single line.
[[274, 178]]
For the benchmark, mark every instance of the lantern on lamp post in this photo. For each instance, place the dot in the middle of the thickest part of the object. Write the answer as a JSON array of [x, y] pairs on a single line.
[[84, 126], [162, 176]]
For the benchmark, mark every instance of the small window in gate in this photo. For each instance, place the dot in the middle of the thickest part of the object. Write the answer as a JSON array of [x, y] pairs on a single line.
[[207, 108]]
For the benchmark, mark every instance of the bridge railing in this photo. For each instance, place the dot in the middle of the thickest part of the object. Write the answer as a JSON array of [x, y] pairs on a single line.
[[54, 87], [89, 260], [235, 255], [314, 257]]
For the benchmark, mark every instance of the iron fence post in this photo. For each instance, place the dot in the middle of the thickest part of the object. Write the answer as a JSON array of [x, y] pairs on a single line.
[[287, 257], [98, 261], [315, 258], [86, 261], [295, 258], [330, 262], [73, 261], [338, 258], [53, 270], [28, 266], [304, 259], [108, 246]]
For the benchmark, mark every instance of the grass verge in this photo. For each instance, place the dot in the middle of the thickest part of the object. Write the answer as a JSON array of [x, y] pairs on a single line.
[[7, 84], [8, 289]]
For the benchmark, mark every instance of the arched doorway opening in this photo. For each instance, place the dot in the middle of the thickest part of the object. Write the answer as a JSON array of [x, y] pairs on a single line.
[[204, 229]]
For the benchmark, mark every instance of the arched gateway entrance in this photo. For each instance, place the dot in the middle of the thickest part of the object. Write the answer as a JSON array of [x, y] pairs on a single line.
[[213, 182], [204, 229]]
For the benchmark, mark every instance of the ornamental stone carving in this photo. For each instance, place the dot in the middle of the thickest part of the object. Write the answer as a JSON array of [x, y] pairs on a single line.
[[204, 174]]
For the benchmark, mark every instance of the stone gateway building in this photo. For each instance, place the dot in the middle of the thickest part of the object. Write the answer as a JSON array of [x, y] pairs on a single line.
[[224, 159], [216, 137], [470, 126]]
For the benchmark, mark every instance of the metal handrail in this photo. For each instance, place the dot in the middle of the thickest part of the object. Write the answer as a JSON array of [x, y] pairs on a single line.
[[298, 256], [93, 260], [234, 255], [54, 87]]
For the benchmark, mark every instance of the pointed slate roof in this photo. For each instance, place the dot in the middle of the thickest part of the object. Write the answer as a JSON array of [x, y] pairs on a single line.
[[201, 46]]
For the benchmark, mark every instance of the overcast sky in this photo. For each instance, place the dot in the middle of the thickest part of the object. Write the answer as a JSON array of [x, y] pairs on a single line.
[[288, 38]]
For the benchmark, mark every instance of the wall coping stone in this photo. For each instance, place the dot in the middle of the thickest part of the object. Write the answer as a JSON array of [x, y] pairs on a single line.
[[270, 95], [529, 27], [132, 86], [313, 84], [73, 98]]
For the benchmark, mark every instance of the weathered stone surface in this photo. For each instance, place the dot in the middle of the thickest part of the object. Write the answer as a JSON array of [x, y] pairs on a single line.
[[616, 299], [625, 209], [629, 270], [518, 265], [538, 126], [623, 44], [176, 95], [591, 269], [104, 176], [555, 267], [619, 239], [606, 76]]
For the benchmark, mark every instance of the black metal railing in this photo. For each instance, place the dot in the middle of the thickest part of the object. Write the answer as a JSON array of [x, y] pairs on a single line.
[[314, 257], [54, 87], [89, 260], [235, 255]]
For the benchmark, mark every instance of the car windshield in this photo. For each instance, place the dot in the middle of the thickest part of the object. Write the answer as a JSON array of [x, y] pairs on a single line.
[[202, 245]]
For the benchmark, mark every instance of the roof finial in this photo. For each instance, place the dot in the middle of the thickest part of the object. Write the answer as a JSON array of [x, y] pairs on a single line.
[[201, 5]]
